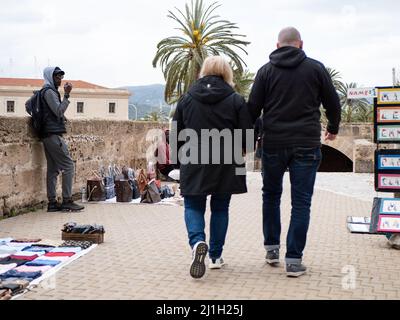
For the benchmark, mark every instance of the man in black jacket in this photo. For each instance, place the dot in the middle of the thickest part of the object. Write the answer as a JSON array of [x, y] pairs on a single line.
[[290, 89], [55, 148]]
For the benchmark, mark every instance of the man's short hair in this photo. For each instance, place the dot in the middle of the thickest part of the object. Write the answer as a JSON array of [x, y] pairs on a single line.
[[289, 36]]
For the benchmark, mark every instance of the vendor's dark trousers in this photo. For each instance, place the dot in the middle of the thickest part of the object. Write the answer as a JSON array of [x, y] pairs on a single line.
[[58, 161], [303, 164], [195, 207]]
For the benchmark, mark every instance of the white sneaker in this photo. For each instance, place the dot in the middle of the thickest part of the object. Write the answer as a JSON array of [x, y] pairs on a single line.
[[216, 263], [199, 253]]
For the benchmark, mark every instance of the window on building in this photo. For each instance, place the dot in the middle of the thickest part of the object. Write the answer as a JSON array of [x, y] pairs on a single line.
[[79, 107], [11, 106], [111, 107]]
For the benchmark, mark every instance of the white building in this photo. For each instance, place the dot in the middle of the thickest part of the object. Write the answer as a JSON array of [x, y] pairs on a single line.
[[88, 101]]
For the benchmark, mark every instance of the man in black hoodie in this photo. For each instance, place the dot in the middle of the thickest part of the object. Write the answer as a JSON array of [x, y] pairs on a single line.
[[290, 90]]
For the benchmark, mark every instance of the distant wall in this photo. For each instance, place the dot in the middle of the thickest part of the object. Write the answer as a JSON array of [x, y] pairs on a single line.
[[91, 144]]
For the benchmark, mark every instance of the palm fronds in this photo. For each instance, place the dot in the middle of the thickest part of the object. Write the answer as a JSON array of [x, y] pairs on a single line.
[[203, 33]]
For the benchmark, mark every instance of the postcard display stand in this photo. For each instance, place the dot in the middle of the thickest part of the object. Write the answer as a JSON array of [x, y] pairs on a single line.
[[385, 216]]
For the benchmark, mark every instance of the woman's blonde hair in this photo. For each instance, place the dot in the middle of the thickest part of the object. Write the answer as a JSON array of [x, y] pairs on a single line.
[[217, 66]]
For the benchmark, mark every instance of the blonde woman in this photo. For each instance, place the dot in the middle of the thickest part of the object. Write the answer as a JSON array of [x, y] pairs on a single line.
[[210, 108]]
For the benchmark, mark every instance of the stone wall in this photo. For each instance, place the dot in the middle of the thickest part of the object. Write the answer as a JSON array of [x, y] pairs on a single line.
[[357, 130], [100, 142], [364, 156], [91, 144], [355, 140], [360, 145]]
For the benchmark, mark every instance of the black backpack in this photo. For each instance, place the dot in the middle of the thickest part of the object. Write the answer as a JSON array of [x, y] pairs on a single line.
[[34, 107]]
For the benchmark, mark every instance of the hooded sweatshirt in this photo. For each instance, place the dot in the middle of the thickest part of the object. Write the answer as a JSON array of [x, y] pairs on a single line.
[[210, 104], [54, 108], [290, 90]]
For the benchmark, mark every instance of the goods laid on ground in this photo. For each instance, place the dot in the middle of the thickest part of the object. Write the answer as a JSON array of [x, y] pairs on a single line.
[[86, 233], [24, 263], [127, 186]]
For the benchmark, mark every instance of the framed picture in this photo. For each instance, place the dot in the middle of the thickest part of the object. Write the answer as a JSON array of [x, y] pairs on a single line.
[[388, 95], [390, 206], [388, 133], [359, 220], [388, 162], [387, 170], [388, 182], [358, 228], [388, 114], [375, 213], [389, 223]]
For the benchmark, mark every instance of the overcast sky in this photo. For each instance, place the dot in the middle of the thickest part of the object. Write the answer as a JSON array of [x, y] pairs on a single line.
[[112, 43]]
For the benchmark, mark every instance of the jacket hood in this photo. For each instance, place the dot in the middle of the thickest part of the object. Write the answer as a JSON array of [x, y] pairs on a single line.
[[287, 57], [210, 90], [48, 77]]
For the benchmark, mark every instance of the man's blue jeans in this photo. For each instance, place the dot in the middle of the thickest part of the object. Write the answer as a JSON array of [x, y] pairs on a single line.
[[303, 164], [195, 207]]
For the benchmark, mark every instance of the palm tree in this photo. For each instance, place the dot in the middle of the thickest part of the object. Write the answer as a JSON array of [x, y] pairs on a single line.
[[204, 34], [354, 110], [243, 81], [339, 86], [336, 79]]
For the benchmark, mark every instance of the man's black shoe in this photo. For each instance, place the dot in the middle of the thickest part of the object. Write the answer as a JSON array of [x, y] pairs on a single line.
[[53, 206], [69, 205]]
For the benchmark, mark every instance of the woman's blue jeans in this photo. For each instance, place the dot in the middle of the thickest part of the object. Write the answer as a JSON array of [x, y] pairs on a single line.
[[195, 208]]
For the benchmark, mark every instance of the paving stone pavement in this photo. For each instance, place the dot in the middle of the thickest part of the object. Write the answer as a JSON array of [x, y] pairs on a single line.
[[146, 256]]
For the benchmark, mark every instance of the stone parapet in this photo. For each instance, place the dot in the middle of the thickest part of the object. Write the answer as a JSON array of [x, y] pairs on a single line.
[[91, 143], [364, 156]]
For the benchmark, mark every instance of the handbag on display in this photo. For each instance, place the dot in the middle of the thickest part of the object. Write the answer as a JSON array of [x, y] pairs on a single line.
[[142, 180], [129, 174], [95, 188], [109, 184], [123, 190], [151, 193], [116, 172], [135, 189]]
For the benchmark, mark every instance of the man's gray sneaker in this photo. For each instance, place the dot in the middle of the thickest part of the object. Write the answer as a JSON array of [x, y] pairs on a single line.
[[272, 257], [295, 270]]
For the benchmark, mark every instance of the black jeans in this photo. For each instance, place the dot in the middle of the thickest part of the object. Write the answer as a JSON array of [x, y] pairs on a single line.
[[303, 164]]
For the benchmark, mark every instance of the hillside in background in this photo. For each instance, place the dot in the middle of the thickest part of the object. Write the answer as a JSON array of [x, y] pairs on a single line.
[[147, 99]]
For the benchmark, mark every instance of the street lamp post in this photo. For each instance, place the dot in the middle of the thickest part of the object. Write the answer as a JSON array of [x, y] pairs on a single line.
[[135, 110]]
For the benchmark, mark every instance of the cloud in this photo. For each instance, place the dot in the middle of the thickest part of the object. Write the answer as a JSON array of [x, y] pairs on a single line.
[[113, 43]]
